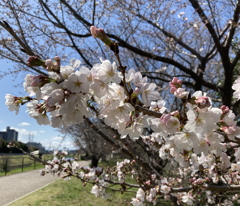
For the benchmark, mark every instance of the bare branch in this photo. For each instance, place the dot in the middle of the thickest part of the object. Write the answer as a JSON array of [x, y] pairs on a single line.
[[76, 15], [216, 188], [170, 35], [208, 24], [234, 24], [94, 11], [27, 49]]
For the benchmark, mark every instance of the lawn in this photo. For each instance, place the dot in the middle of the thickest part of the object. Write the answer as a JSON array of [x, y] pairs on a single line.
[[74, 193], [11, 164], [71, 193]]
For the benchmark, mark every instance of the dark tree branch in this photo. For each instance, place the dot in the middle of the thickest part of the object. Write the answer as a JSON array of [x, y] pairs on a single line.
[[167, 80], [59, 24], [235, 60], [213, 51], [140, 52], [76, 15], [216, 188], [207, 23], [18, 23], [223, 52], [170, 35], [94, 11], [213, 17], [79, 51], [27, 49], [105, 137], [23, 62], [234, 25]]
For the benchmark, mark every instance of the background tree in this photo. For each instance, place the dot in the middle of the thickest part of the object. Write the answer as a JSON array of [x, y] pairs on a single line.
[[191, 39], [3, 146], [90, 141], [99, 140], [5, 149], [194, 40]]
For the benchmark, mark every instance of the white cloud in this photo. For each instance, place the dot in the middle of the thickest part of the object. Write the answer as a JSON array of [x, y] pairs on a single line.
[[56, 143], [3, 130], [69, 145], [48, 139], [51, 145], [24, 124], [57, 138], [41, 131], [24, 135]]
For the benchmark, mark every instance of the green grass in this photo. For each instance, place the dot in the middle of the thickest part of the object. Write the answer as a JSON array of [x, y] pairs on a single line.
[[15, 164], [74, 193], [25, 169], [71, 193]]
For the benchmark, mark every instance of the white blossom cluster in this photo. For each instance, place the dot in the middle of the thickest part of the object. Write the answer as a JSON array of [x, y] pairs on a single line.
[[197, 140], [101, 178], [63, 98]]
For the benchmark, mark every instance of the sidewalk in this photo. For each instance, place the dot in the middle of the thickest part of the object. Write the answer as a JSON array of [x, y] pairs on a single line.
[[15, 186]]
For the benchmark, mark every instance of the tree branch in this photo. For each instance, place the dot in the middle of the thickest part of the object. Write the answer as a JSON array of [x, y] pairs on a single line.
[[76, 15], [27, 49], [170, 35], [140, 52], [216, 188], [234, 25], [207, 23], [59, 24], [94, 11], [23, 62]]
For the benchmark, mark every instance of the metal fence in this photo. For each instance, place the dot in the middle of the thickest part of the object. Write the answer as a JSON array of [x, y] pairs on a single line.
[[19, 164]]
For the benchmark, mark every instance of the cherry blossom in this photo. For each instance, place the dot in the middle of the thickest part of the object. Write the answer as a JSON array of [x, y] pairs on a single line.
[[149, 94], [13, 103], [202, 140], [77, 83], [236, 87], [108, 72]]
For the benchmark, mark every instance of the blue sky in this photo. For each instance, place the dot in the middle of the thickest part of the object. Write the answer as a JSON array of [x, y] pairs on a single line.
[[24, 124]]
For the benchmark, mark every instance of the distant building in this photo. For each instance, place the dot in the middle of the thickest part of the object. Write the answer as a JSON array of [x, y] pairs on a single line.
[[36, 145], [10, 135]]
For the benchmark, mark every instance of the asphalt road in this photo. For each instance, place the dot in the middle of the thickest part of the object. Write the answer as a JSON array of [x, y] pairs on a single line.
[[15, 186]]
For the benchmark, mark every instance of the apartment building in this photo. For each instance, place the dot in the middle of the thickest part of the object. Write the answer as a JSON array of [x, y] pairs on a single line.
[[10, 135]]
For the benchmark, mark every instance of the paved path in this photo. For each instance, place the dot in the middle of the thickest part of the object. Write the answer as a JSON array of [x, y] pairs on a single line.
[[15, 186]]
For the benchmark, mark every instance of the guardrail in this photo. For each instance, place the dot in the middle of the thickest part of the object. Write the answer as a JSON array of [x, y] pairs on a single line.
[[8, 163]]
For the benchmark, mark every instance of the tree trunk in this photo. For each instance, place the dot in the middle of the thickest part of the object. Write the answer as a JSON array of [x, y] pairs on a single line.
[[95, 161]]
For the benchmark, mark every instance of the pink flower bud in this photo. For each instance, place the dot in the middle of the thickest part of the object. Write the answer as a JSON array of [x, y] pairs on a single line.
[[225, 109], [39, 81], [181, 93], [173, 89], [49, 63], [164, 118], [97, 33], [57, 58], [35, 61], [176, 81], [100, 34], [137, 91], [175, 84], [175, 114], [56, 67], [148, 182], [232, 130], [203, 102], [53, 66]]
